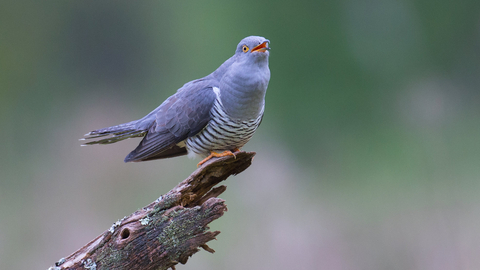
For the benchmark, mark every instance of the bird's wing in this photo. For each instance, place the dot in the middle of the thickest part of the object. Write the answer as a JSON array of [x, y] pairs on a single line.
[[181, 116]]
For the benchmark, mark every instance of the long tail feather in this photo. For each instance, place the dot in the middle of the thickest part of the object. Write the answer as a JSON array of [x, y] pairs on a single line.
[[116, 137], [114, 134]]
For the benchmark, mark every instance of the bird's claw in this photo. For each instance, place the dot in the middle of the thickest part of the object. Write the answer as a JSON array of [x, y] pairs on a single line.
[[223, 154]]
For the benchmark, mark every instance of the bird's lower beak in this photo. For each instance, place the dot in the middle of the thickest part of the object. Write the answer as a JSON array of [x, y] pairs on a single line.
[[261, 48]]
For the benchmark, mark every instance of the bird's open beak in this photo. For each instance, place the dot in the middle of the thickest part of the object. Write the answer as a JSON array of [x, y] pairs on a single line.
[[261, 48]]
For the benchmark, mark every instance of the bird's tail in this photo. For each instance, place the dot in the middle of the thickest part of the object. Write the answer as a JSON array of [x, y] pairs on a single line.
[[114, 134]]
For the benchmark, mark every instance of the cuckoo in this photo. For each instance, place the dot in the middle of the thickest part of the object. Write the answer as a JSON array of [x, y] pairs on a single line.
[[209, 117]]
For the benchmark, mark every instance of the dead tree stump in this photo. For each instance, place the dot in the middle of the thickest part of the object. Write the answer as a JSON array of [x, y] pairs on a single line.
[[169, 230]]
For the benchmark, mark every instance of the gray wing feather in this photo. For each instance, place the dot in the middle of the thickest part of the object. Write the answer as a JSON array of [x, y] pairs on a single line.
[[152, 144], [188, 114], [181, 116]]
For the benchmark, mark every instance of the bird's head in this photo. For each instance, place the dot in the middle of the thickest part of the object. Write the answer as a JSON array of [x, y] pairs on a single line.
[[253, 48]]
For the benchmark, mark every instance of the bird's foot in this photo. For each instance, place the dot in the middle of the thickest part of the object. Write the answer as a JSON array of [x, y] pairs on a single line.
[[215, 154]]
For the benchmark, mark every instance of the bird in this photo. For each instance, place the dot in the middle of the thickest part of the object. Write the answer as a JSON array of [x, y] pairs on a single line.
[[213, 116]]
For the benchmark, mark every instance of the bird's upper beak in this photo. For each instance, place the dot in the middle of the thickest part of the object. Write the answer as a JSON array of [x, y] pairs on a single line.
[[262, 47]]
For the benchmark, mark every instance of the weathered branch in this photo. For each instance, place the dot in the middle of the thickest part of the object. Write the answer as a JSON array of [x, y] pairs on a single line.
[[167, 231]]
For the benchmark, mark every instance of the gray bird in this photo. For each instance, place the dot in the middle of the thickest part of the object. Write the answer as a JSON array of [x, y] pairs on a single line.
[[208, 117]]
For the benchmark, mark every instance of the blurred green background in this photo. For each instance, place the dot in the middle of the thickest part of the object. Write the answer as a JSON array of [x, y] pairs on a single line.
[[368, 156]]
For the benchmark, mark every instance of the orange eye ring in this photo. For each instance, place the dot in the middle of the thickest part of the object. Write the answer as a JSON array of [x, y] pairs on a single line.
[[245, 48]]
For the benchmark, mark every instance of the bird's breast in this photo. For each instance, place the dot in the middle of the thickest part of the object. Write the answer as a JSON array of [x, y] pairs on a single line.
[[222, 132]]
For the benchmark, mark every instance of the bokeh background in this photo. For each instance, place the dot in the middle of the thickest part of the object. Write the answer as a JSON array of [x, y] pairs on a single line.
[[368, 156]]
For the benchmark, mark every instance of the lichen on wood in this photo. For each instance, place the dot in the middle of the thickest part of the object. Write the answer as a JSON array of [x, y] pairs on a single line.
[[169, 230]]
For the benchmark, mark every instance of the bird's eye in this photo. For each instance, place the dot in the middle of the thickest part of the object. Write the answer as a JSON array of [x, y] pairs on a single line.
[[245, 48]]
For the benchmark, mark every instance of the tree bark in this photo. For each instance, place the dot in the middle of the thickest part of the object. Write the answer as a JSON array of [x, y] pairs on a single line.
[[169, 230]]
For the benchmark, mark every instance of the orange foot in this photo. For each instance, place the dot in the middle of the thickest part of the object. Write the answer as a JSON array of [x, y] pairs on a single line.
[[215, 154]]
